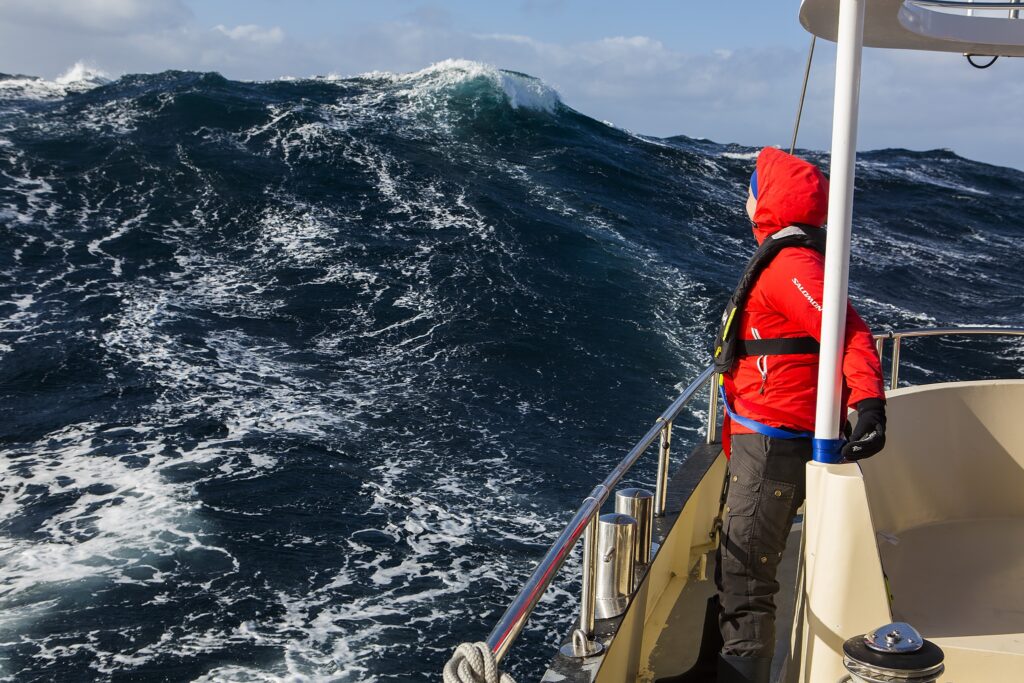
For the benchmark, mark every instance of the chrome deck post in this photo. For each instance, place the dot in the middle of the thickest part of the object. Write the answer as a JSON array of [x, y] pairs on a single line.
[[894, 372], [583, 643], [615, 575], [638, 504], [664, 451], [713, 410], [588, 586]]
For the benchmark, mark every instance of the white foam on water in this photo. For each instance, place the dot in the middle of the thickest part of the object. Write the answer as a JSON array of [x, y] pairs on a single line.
[[114, 117], [933, 175], [37, 193], [328, 635], [295, 233], [78, 78], [117, 514], [244, 381], [126, 515], [741, 156], [120, 229], [81, 73]]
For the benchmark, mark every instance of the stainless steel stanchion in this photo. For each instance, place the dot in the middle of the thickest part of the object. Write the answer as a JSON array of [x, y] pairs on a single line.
[[583, 643], [661, 486], [638, 504], [614, 577]]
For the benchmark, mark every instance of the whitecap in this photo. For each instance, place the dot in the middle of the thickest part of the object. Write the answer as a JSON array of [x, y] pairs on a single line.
[[741, 156], [520, 90], [78, 78]]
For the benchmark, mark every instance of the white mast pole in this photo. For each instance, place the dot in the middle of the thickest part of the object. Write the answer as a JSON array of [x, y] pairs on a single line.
[[849, 45]]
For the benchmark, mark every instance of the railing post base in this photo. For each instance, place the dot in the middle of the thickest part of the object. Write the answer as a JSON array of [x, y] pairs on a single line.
[[581, 647]]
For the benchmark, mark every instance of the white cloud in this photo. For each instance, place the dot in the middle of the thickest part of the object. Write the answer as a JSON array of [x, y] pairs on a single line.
[[106, 16], [252, 33]]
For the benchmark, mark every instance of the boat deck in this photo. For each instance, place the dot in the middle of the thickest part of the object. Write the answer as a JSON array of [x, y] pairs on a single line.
[[957, 582], [676, 647]]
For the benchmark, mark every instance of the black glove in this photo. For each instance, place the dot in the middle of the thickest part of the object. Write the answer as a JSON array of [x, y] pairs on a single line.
[[868, 436]]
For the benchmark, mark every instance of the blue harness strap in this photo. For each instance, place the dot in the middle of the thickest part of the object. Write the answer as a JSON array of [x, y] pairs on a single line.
[[760, 427]]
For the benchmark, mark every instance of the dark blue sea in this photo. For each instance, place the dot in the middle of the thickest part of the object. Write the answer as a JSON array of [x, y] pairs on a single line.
[[298, 379]]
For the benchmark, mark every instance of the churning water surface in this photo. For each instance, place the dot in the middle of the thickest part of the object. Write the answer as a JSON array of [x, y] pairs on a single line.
[[298, 379]]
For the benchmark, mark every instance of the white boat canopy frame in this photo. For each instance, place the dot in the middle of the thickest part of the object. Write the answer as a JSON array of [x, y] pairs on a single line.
[[936, 25], [850, 36], [854, 24]]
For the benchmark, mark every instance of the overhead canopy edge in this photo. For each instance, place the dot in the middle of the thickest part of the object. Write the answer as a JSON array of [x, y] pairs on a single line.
[[913, 25]]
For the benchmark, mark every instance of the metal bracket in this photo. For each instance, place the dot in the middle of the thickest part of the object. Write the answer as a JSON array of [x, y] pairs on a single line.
[[581, 647]]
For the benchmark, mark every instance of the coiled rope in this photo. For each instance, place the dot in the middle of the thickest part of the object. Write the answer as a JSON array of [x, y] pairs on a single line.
[[474, 663]]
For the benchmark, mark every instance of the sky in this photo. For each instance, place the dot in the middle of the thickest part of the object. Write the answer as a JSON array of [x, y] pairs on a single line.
[[727, 71]]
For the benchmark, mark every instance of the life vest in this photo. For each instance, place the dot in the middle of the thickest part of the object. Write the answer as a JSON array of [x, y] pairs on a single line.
[[728, 344]]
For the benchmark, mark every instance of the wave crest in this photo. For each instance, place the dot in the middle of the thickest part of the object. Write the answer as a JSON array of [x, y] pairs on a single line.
[[519, 90], [79, 78], [82, 75]]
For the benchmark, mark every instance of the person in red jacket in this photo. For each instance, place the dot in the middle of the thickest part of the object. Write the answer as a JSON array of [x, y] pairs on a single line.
[[770, 409]]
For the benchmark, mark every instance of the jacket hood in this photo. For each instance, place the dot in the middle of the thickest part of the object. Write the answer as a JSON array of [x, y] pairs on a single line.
[[789, 190]]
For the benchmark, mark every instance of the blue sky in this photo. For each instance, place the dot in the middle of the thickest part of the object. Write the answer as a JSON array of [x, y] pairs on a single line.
[[677, 23], [728, 71]]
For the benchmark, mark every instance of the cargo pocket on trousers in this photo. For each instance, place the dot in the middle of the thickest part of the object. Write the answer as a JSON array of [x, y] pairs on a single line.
[[775, 516], [763, 567], [739, 531]]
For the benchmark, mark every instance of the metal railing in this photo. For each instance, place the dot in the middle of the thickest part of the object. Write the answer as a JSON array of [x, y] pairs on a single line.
[[583, 523], [899, 335]]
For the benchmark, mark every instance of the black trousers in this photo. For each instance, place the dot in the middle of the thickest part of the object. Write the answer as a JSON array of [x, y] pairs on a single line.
[[766, 487]]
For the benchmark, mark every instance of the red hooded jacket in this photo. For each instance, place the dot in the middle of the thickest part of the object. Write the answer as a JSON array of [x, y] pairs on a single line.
[[785, 301]]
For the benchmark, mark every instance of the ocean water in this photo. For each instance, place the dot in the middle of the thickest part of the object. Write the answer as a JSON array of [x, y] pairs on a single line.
[[298, 379]]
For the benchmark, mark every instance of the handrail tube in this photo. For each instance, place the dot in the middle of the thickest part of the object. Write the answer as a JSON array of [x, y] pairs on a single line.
[[898, 335], [940, 331], [514, 619], [672, 412]]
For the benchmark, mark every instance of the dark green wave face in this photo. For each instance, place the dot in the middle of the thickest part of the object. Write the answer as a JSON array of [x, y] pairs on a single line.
[[299, 379]]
